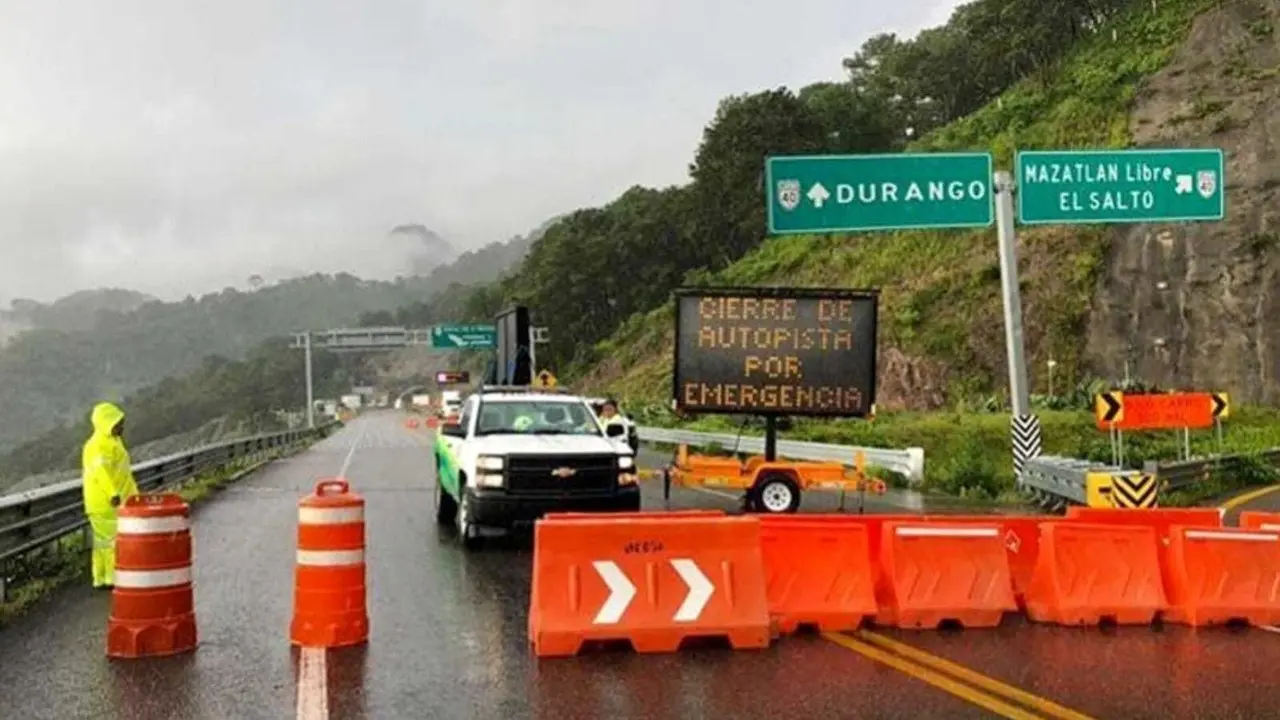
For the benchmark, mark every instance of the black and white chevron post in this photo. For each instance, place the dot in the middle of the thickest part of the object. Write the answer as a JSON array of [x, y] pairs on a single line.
[[1026, 440]]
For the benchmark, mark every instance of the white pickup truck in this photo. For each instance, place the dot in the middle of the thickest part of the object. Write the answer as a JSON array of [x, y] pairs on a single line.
[[516, 454]]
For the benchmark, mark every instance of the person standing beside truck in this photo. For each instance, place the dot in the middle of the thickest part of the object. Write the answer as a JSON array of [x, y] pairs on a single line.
[[108, 482], [609, 415]]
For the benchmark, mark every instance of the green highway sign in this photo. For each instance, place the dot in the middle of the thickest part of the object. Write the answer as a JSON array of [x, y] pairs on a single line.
[[1120, 186], [464, 337], [838, 193]]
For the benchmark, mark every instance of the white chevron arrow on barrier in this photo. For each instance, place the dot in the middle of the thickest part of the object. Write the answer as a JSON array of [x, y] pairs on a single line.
[[621, 592], [700, 590]]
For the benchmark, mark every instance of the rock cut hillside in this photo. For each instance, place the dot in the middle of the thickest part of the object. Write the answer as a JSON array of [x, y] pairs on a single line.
[[1196, 304]]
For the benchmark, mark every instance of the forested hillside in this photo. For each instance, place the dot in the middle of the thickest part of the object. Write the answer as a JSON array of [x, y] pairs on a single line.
[[50, 375], [77, 311], [244, 392], [601, 266], [1179, 305]]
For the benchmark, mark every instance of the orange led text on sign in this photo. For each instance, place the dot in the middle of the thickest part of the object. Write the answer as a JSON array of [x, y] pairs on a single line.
[[773, 381], [1167, 411]]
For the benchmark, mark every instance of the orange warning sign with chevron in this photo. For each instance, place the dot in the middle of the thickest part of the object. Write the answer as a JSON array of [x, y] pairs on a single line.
[[1115, 410]]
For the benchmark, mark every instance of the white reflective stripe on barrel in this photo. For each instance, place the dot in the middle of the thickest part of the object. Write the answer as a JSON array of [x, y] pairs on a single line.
[[152, 525], [330, 516], [151, 579], [330, 557]]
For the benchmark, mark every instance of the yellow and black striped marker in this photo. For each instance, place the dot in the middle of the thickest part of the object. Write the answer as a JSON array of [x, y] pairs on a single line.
[[1134, 490]]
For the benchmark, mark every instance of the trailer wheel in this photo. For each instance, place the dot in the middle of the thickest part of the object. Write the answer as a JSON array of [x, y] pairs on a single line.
[[776, 493]]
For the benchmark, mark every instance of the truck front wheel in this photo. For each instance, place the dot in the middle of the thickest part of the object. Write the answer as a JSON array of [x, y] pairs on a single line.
[[468, 532]]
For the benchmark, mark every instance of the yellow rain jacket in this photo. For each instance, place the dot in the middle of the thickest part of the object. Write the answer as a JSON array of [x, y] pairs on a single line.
[[107, 475]]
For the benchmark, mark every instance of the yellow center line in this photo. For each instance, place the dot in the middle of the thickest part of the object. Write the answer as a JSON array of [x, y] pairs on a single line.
[[990, 684], [1248, 497], [936, 679]]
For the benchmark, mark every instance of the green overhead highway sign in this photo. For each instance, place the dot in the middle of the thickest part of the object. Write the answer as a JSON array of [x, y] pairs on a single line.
[[1120, 186], [464, 337], [838, 193]]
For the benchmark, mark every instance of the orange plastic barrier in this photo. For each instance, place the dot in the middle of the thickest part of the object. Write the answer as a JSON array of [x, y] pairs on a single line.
[[1090, 572], [153, 603], [817, 573], [1161, 519], [873, 522], [1222, 575], [1258, 520], [433, 422], [653, 581], [936, 572], [329, 584], [411, 423], [1020, 535]]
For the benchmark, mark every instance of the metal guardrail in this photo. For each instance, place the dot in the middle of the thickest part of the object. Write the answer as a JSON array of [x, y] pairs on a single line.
[[35, 518], [1184, 473], [908, 461], [1054, 482]]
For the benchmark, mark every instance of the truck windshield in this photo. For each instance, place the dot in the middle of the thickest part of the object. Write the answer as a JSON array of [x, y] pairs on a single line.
[[529, 417]]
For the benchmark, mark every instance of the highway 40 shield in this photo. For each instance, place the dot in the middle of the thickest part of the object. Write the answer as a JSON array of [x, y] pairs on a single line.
[[788, 194], [1206, 183]]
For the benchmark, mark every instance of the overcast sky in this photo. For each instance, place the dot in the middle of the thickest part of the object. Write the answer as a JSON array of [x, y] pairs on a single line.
[[178, 146]]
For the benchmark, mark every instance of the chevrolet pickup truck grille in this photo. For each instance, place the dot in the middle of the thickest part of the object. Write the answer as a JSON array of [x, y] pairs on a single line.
[[533, 474]]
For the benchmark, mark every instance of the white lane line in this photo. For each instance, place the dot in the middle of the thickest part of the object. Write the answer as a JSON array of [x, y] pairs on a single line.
[[720, 493], [346, 464], [313, 689]]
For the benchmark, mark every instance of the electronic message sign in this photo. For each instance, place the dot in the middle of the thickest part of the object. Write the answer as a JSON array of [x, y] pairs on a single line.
[[775, 351]]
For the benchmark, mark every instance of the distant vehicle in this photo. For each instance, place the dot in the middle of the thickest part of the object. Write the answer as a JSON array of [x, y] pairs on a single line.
[[518, 453], [421, 400], [352, 401], [450, 403]]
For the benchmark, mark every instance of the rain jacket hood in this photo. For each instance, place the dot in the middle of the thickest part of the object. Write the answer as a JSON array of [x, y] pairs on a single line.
[[107, 471], [105, 417]]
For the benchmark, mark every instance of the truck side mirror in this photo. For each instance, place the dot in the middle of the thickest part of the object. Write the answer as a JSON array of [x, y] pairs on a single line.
[[615, 430], [453, 430]]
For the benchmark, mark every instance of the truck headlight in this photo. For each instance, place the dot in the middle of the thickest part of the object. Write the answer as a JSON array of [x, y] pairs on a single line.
[[489, 480], [489, 462], [626, 462], [627, 478]]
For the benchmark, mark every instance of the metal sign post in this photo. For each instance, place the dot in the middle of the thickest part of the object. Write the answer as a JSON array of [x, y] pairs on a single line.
[[1024, 427], [311, 402]]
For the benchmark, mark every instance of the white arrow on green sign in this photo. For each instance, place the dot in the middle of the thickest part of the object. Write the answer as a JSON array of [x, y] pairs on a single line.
[[464, 337], [1120, 186], [839, 193]]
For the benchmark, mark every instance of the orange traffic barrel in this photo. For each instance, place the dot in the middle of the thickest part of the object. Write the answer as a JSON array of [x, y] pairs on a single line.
[[329, 583], [153, 603]]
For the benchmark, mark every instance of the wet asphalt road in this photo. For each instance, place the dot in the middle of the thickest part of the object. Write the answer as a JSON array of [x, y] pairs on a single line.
[[448, 636]]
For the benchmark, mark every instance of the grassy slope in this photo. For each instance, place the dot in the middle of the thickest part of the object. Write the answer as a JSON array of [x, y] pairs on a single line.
[[942, 338]]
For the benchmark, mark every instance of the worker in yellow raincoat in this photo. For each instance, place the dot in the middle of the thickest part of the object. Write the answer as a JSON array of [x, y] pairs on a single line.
[[108, 482]]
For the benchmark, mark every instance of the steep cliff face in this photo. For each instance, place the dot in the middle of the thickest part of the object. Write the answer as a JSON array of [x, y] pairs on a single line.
[[1198, 304]]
